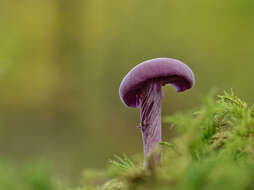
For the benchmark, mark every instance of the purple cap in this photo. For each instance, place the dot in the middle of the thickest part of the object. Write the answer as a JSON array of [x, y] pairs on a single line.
[[164, 70]]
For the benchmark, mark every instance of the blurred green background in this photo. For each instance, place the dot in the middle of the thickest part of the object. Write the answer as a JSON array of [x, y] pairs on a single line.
[[62, 61]]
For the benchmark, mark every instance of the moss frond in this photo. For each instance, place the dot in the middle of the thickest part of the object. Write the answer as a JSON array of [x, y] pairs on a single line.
[[122, 163]]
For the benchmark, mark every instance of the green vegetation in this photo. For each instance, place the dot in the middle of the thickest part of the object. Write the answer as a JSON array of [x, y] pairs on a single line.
[[212, 148], [32, 176]]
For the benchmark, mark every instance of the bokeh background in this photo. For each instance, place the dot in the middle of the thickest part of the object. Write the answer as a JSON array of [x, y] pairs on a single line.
[[62, 61]]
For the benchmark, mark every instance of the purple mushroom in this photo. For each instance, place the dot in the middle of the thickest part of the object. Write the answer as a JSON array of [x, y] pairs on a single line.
[[141, 87]]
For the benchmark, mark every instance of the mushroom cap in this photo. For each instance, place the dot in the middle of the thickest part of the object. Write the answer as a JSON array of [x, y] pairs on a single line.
[[163, 70]]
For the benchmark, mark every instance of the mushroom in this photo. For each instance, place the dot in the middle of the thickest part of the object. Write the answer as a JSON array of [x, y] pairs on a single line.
[[141, 87]]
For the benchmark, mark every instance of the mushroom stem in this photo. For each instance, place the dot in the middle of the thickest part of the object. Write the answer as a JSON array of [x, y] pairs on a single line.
[[150, 117]]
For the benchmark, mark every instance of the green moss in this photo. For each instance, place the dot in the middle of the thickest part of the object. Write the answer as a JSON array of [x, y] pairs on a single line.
[[29, 177], [213, 149]]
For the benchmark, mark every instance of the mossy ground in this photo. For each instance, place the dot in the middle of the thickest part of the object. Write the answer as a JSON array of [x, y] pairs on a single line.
[[212, 148]]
